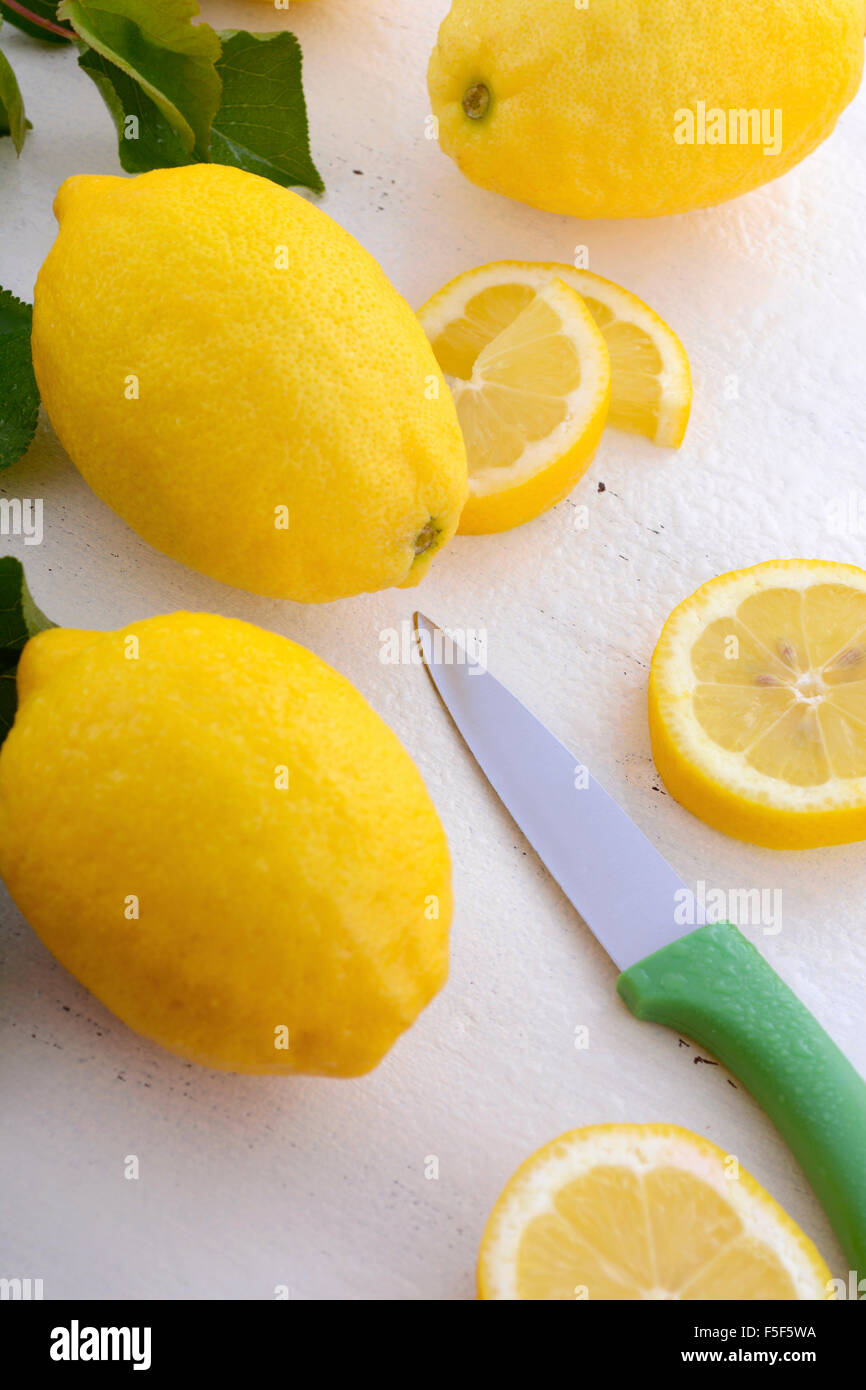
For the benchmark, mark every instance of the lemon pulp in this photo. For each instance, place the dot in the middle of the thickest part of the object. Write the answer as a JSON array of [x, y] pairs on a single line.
[[636, 368], [783, 682], [513, 366], [649, 1212], [660, 1235]]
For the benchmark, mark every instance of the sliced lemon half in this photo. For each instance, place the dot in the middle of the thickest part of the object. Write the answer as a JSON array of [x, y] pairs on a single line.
[[757, 702], [642, 1212], [530, 375]]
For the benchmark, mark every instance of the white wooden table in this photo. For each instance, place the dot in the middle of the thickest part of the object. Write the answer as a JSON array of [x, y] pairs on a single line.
[[249, 1183]]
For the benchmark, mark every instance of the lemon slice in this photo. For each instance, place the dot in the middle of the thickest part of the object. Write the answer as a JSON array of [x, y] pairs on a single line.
[[758, 704], [651, 385], [651, 381], [530, 376], [642, 1212]]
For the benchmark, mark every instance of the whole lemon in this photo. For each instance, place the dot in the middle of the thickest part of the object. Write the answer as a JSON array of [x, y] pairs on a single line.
[[234, 374], [634, 108], [217, 835]]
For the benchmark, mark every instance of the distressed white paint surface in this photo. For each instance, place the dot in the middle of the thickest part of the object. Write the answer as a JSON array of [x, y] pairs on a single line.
[[249, 1183]]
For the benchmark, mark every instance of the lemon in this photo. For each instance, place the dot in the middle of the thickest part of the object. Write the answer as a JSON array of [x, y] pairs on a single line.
[[757, 703], [530, 376], [215, 833], [614, 109], [234, 375], [642, 1212], [650, 378]]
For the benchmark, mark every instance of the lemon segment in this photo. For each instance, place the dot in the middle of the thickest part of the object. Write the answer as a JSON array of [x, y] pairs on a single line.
[[530, 376], [642, 1212], [758, 703]]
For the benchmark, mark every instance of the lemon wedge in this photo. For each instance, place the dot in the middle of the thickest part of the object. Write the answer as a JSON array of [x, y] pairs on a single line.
[[758, 703], [642, 1212], [530, 376]]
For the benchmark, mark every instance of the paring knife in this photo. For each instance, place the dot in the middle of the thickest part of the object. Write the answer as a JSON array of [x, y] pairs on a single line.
[[708, 982]]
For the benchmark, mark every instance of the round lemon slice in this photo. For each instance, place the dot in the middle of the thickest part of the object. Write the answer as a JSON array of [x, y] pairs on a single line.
[[530, 375], [757, 703], [643, 1212]]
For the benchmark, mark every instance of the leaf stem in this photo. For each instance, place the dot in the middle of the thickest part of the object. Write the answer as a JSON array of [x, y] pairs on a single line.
[[38, 20]]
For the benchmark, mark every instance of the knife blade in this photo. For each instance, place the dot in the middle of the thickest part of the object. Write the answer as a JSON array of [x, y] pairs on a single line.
[[708, 982], [625, 891]]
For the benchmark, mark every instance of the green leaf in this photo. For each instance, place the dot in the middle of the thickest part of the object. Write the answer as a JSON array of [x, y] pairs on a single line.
[[172, 60], [20, 620], [12, 118], [19, 395], [32, 16], [145, 140], [261, 125]]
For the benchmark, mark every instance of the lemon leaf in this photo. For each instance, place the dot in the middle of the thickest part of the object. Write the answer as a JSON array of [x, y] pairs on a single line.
[[172, 60], [20, 620], [12, 118], [261, 125], [145, 139], [19, 395], [38, 18]]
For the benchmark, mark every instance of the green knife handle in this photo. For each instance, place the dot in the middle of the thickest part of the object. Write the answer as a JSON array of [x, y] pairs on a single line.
[[715, 987]]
